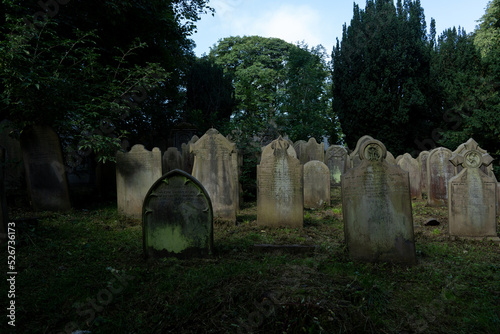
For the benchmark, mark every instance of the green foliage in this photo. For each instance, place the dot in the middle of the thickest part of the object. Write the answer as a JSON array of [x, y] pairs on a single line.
[[380, 75]]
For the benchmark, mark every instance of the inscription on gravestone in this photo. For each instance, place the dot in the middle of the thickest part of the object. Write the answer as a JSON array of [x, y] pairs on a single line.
[[177, 217], [336, 160], [376, 205]]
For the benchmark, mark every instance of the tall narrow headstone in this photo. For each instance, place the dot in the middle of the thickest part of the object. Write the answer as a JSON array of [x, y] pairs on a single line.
[[45, 171], [409, 164], [472, 202], [300, 149], [336, 158], [216, 167], [188, 155], [316, 184], [171, 160], [177, 217], [422, 163], [376, 206], [280, 197], [136, 171], [440, 170]]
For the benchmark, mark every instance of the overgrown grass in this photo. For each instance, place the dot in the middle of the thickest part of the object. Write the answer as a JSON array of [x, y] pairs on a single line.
[[85, 270]]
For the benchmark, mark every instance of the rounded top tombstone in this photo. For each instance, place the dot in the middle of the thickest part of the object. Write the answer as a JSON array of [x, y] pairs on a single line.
[[373, 150]]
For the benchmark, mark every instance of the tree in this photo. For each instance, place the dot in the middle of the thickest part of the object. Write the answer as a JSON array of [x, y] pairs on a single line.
[[87, 70], [381, 75]]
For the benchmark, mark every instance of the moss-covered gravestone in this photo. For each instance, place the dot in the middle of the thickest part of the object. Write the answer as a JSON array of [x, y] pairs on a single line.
[[336, 158], [472, 196], [376, 206], [177, 217]]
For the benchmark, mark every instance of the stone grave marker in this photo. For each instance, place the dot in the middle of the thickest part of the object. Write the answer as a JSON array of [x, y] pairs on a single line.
[[45, 172], [188, 156], [409, 164], [354, 156], [376, 206], [316, 184], [336, 158], [300, 149], [439, 172], [177, 217], [280, 197], [472, 195], [313, 151], [136, 171], [216, 167], [422, 165], [172, 159], [390, 158]]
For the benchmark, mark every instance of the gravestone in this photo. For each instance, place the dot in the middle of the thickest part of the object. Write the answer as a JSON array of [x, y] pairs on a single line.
[[439, 172], [300, 149], [422, 163], [216, 167], [409, 164], [171, 160], [136, 171], [45, 172], [390, 158], [472, 195], [188, 156], [280, 197], [177, 217], [376, 206], [3, 203], [316, 184], [313, 151], [336, 158], [354, 156]]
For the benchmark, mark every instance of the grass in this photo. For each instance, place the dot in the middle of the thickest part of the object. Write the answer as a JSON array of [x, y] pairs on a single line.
[[85, 270]]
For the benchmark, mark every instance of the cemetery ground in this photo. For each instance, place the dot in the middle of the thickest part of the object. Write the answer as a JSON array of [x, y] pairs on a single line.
[[85, 270]]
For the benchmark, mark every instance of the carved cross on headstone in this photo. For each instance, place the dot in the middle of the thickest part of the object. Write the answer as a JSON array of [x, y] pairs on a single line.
[[472, 156]]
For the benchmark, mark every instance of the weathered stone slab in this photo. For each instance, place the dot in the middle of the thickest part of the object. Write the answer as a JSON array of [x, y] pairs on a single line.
[[422, 163], [313, 151], [216, 167], [439, 172], [177, 217], [4, 219], [316, 184], [172, 159], [45, 172], [409, 164], [280, 197], [376, 206], [390, 158], [188, 155], [472, 197], [136, 171], [336, 158], [300, 148], [354, 156]]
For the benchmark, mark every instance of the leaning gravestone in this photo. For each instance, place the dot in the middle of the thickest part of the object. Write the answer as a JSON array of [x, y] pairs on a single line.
[[472, 195], [422, 163], [45, 171], [136, 171], [216, 167], [316, 185], [439, 172], [177, 217], [354, 156], [409, 164], [172, 159], [336, 158], [280, 197], [376, 205]]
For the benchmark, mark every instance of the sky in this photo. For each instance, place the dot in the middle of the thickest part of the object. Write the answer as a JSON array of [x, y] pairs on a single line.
[[313, 21]]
